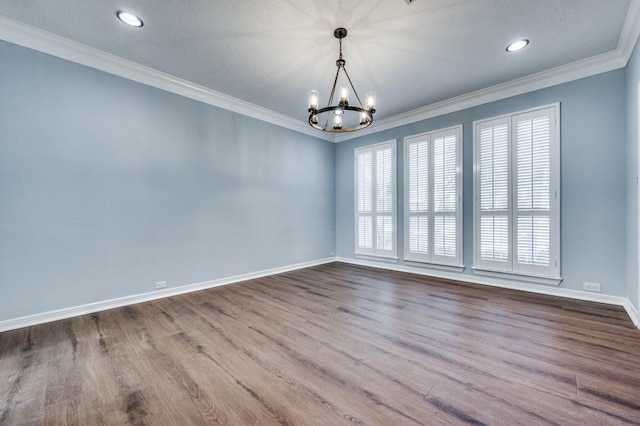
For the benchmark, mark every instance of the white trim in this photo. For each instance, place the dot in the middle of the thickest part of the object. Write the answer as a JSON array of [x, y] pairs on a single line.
[[587, 67], [594, 65], [580, 69], [430, 265], [550, 291], [609, 61], [379, 258], [630, 31], [74, 311], [632, 312], [61, 314], [518, 277], [33, 38]]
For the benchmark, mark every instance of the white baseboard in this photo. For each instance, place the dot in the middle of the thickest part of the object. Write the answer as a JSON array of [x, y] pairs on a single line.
[[60, 314], [513, 285], [632, 312]]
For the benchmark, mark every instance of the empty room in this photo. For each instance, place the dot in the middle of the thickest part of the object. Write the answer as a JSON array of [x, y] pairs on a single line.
[[384, 212]]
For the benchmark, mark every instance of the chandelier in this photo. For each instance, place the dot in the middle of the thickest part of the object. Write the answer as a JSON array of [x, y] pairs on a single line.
[[343, 116]]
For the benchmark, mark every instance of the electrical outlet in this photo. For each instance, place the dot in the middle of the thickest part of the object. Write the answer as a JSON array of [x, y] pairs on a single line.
[[591, 286], [161, 284]]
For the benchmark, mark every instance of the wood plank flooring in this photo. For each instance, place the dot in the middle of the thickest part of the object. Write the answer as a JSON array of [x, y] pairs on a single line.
[[329, 345]]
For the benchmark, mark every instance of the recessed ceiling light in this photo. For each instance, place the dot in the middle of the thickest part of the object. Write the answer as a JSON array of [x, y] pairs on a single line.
[[517, 45], [129, 18]]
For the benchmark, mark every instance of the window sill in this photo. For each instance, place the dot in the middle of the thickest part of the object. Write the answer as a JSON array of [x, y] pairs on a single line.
[[388, 259], [533, 279], [439, 266]]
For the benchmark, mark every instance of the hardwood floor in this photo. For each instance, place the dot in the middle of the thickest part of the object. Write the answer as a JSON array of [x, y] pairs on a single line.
[[328, 345]]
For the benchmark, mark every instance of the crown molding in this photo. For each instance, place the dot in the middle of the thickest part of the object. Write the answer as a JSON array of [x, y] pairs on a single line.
[[33, 38], [574, 71], [630, 31], [587, 67]]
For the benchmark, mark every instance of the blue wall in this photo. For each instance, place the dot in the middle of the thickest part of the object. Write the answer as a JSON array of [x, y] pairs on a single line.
[[593, 175], [107, 186], [633, 81]]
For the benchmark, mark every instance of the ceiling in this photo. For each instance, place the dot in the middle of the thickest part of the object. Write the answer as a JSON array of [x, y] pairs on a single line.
[[272, 52]]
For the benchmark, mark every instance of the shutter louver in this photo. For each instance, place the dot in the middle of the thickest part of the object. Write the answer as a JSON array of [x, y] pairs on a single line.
[[444, 230], [419, 234], [533, 240], [365, 232], [494, 234], [384, 231]]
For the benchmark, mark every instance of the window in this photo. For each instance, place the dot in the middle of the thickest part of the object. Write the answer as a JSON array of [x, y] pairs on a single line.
[[433, 217], [375, 200], [516, 193]]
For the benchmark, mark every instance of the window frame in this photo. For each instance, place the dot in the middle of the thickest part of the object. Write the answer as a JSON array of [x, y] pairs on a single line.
[[373, 251], [431, 259], [512, 269]]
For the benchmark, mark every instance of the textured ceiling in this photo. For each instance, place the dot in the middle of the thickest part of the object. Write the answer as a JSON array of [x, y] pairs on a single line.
[[271, 52]]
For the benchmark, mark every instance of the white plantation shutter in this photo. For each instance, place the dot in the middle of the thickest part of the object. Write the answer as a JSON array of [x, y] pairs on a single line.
[[445, 194], [533, 194], [384, 199], [365, 232], [516, 203], [494, 210], [375, 198], [418, 210], [364, 204], [418, 236], [432, 210]]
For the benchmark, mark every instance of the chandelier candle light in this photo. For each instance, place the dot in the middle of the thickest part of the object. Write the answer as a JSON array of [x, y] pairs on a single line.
[[342, 117]]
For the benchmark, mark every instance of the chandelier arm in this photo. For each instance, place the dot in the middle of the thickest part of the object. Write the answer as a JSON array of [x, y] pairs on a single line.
[[333, 89], [354, 89]]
